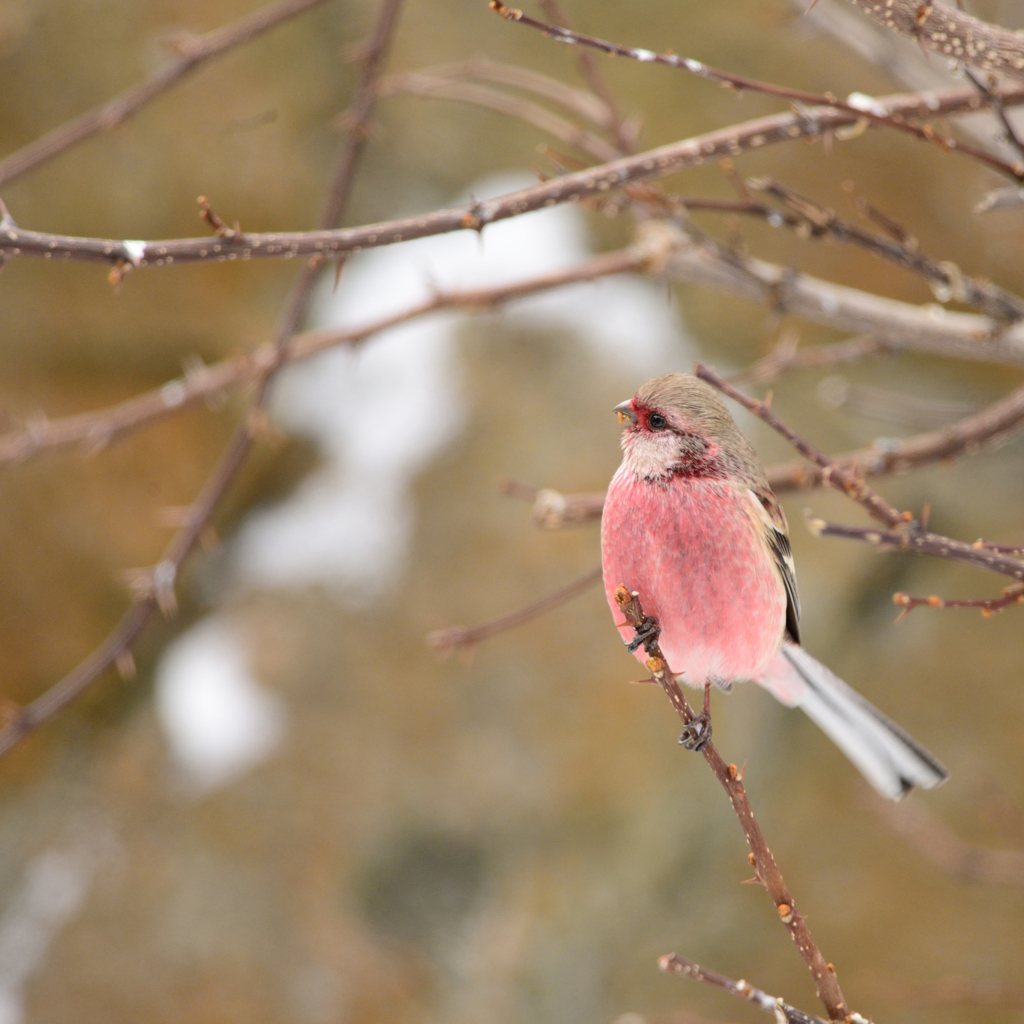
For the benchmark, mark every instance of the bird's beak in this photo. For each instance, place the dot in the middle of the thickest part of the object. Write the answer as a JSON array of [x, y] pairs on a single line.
[[624, 410]]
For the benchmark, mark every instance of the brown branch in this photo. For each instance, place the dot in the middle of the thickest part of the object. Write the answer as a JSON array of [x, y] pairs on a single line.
[[922, 542], [193, 51], [939, 844], [155, 588], [895, 325], [952, 33], [1013, 594], [1012, 138], [655, 163], [833, 473], [444, 641], [988, 428], [893, 407], [553, 510], [868, 111], [614, 121], [99, 428], [787, 357], [761, 858], [577, 102], [436, 87], [673, 963], [945, 278]]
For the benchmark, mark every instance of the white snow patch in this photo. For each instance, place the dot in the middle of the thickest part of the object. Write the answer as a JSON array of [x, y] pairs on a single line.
[[54, 888], [219, 721], [381, 413]]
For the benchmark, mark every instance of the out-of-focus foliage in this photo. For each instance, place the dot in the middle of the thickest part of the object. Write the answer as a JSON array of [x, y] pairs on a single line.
[[518, 837]]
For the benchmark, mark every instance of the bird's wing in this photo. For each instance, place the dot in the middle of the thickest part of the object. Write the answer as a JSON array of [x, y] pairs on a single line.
[[773, 520]]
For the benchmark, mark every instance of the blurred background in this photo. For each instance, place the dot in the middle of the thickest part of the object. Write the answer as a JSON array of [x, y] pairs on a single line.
[[297, 812]]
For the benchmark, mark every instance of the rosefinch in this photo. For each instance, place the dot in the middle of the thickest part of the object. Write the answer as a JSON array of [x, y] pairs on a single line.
[[692, 526]]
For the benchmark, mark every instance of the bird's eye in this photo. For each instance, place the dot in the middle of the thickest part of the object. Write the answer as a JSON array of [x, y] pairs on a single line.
[[656, 421]]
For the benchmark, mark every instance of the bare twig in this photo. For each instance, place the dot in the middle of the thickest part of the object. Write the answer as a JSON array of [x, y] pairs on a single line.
[[945, 278], [155, 589], [952, 33], [765, 869], [833, 473], [894, 407], [786, 358], [655, 163], [867, 111], [577, 102], [673, 963], [614, 121], [997, 108], [444, 641], [938, 843], [988, 428], [437, 87], [1014, 594], [922, 542], [553, 510], [895, 325], [192, 52], [98, 429]]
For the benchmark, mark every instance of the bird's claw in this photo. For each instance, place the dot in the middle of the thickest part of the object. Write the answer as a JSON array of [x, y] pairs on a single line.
[[697, 734], [646, 633]]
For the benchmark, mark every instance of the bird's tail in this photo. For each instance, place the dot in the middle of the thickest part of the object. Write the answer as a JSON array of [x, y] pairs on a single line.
[[893, 762]]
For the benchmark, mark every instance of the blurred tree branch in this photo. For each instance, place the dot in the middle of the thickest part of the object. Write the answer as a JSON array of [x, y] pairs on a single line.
[[865, 106], [952, 33], [155, 589], [192, 52], [766, 871], [807, 122], [939, 844], [95, 430]]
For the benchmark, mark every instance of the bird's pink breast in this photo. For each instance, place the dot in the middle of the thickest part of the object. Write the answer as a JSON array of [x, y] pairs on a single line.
[[691, 549]]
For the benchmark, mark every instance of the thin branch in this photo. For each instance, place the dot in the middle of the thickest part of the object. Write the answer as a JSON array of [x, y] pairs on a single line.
[[614, 121], [761, 858], [833, 473], [326, 244], [436, 87], [895, 325], [193, 51], [997, 108], [673, 963], [99, 428], [155, 588], [939, 844], [786, 358], [444, 641], [952, 33], [1013, 594], [904, 410], [867, 110], [577, 102], [986, 429], [945, 278], [922, 542]]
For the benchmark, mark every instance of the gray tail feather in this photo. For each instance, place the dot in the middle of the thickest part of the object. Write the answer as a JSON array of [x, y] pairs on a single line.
[[891, 760]]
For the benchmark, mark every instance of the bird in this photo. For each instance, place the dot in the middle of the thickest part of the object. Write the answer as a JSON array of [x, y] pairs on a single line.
[[691, 526]]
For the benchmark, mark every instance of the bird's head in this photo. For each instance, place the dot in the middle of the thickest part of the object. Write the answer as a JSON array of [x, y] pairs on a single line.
[[676, 425]]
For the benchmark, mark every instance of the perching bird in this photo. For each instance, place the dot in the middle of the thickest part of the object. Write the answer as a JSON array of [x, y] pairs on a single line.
[[691, 524]]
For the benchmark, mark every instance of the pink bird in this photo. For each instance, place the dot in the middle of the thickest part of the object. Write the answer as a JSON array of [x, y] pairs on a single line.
[[692, 526]]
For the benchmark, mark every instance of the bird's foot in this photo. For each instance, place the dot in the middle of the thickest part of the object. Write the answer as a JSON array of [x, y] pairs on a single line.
[[646, 633], [697, 734]]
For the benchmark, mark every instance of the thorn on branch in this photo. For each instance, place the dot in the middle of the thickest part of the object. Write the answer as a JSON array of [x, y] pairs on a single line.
[[220, 229], [125, 665]]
